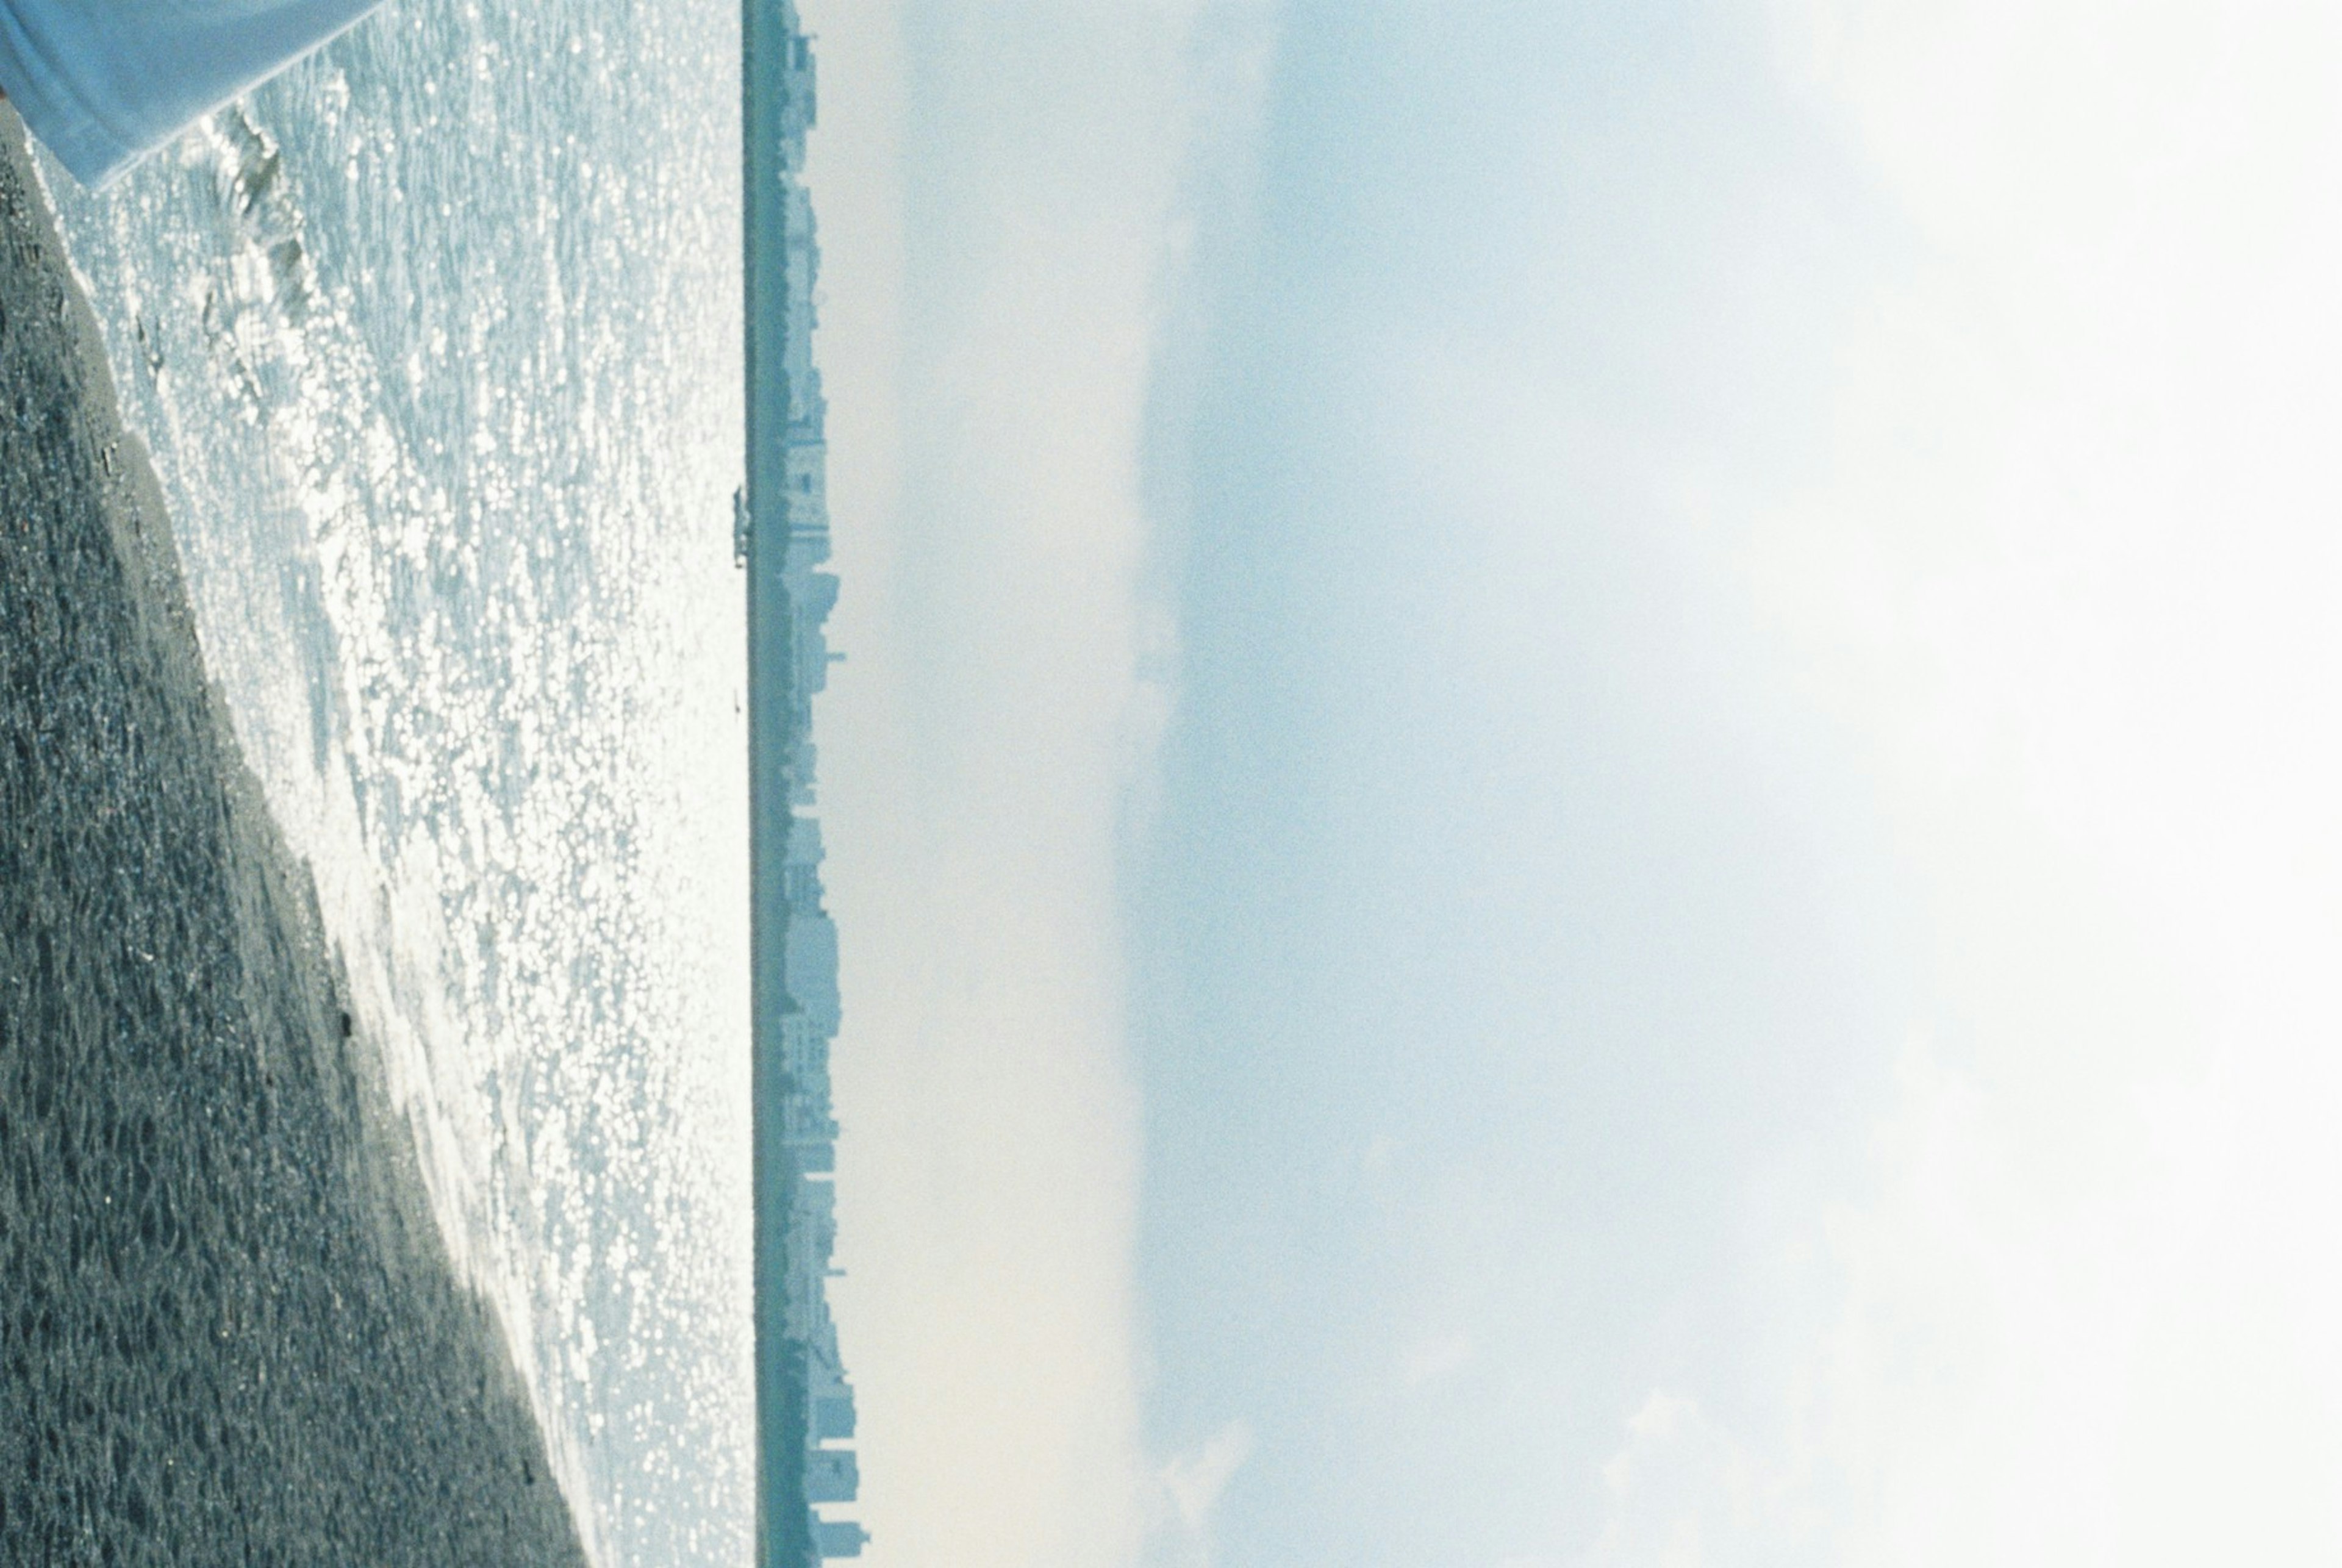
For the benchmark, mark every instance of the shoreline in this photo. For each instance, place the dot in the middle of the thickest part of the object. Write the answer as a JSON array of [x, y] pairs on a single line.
[[229, 1328]]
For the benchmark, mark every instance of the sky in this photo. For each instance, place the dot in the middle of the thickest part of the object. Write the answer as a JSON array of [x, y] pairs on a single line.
[[1582, 811]]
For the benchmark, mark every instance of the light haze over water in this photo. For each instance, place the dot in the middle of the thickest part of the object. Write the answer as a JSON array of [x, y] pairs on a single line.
[[437, 342]]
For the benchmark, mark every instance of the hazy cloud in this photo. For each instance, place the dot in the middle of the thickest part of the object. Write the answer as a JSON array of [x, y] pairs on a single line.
[[1192, 1484], [996, 186], [1436, 1359]]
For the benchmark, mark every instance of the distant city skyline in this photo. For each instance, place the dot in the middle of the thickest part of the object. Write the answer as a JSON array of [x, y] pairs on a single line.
[[805, 1401]]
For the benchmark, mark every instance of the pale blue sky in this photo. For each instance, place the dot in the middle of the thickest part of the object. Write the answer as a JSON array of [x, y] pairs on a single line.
[[1507, 921], [1584, 811]]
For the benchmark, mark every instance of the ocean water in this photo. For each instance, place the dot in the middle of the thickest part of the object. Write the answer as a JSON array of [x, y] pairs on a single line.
[[435, 342]]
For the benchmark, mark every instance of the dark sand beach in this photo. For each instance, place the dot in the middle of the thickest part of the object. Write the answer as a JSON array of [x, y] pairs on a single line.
[[229, 1332]]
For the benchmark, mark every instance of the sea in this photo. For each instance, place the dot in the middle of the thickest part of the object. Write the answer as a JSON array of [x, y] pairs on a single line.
[[436, 342]]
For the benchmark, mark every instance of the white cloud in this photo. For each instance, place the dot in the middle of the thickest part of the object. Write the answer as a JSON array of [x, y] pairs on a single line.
[[1195, 1480], [1436, 1360], [1682, 1494], [2019, 1364], [1193, 1484], [2067, 583]]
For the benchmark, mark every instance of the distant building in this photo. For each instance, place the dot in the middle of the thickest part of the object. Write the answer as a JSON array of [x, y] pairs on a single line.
[[832, 1475], [801, 768], [824, 1367], [805, 1119], [809, 969], [829, 1398], [781, 537], [806, 471], [811, 1228], [805, 1047], [808, 1132], [801, 870], [839, 1538], [797, 92], [811, 598], [813, 1213], [832, 1417]]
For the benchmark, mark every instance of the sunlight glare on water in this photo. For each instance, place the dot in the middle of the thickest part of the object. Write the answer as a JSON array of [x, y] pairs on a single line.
[[436, 342]]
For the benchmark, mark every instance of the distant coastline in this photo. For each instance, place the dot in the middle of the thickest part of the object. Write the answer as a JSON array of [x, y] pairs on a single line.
[[229, 1330], [805, 1406]]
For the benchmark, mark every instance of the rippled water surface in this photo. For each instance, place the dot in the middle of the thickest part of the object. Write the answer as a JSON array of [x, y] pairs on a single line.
[[436, 342]]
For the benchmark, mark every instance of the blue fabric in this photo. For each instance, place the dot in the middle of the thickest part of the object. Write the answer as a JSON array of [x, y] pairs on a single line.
[[102, 81]]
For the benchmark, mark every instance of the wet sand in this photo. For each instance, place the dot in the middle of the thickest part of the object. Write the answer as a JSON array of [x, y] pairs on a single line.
[[229, 1332]]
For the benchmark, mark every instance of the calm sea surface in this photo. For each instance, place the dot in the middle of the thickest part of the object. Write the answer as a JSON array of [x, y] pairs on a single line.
[[436, 344]]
